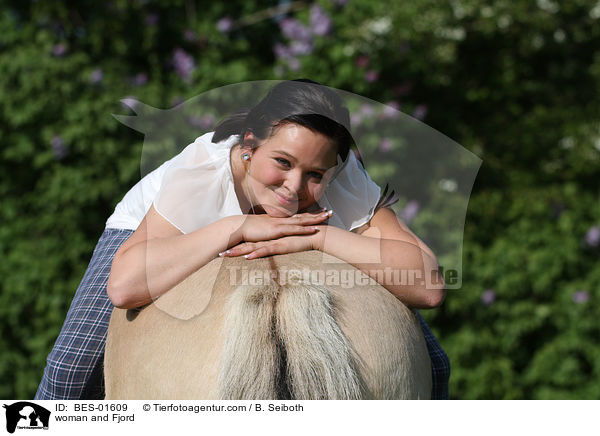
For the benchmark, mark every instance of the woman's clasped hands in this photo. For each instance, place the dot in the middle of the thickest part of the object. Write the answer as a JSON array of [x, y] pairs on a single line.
[[263, 235]]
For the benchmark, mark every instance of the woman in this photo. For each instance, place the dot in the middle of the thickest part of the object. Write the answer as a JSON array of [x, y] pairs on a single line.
[[252, 188]]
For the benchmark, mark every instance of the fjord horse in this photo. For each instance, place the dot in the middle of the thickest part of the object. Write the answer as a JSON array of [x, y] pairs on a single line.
[[295, 326]]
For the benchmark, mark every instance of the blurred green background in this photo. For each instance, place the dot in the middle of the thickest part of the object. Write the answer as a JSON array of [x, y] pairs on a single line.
[[515, 82]]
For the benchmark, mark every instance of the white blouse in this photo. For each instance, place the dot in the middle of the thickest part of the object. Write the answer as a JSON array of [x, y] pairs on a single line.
[[195, 188]]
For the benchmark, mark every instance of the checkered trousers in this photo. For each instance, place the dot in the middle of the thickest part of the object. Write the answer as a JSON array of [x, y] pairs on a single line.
[[80, 343], [79, 348], [440, 364]]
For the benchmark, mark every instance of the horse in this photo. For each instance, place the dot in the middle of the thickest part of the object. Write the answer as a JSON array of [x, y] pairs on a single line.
[[297, 326]]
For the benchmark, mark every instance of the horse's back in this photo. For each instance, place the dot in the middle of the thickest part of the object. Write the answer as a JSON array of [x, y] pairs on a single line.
[[289, 326], [168, 349]]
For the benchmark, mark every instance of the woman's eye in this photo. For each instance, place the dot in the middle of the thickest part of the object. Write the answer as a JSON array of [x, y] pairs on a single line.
[[286, 163]]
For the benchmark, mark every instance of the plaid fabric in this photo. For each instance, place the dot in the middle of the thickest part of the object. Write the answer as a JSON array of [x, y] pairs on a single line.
[[80, 343], [79, 348], [440, 364]]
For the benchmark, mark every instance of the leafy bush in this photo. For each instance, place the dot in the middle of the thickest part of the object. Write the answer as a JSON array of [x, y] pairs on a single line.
[[514, 82]]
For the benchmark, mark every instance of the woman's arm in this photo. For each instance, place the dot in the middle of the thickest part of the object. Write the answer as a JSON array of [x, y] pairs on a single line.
[[158, 256], [390, 254], [385, 249]]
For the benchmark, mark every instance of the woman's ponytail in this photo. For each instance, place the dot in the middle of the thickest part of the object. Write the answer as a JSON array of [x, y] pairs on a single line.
[[232, 125]]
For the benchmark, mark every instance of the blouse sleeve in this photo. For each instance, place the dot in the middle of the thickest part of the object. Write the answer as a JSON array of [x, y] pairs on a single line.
[[195, 191], [352, 195]]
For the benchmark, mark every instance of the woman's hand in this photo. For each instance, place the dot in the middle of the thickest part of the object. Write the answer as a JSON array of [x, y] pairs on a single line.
[[260, 228], [284, 245]]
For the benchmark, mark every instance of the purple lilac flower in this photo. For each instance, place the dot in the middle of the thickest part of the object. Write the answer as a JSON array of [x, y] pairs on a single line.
[[581, 297], [189, 35], [96, 75], [58, 147], [420, 112], [592, 237], [287, 53], [224, 25], [295, 30], [207, 121], [367, 110], [371, 76], [356, 119], [297, 48], [140, 79], [488, 297], [184, 64], [282, 51], [204, 122], [59, 49], [194, 120], [391, 110], [385, 145], [410, 211], [319, 20]]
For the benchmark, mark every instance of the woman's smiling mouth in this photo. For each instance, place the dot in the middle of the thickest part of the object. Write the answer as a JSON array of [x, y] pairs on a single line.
[[285, 201]]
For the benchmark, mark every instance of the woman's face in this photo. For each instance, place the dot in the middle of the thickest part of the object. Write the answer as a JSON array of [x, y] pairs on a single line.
[[289, 170]]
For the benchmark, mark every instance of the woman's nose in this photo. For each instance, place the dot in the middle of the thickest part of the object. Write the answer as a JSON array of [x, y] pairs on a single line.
[[295, 184]]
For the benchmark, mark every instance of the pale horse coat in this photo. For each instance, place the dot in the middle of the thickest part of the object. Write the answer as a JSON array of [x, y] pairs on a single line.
[[217, 335]]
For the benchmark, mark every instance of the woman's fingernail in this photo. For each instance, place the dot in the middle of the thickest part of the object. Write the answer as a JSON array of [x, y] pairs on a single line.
[[246, 256]]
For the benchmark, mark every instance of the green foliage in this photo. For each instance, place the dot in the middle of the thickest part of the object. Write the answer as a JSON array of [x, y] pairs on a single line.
[[537, 338], [514, 82]]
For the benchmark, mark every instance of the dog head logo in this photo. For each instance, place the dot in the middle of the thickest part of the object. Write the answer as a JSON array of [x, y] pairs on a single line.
[[26, 415], [431, 174]]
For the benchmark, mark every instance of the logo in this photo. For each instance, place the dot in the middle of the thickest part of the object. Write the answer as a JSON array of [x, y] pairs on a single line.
[[26, 415], [429, 175]]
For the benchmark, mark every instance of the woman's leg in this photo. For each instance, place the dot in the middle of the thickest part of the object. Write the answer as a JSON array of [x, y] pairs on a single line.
[[82, 337], [440, 364]]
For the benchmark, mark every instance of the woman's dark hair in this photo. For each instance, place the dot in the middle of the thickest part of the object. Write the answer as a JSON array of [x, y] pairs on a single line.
[[304, 102], [300, 101]]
